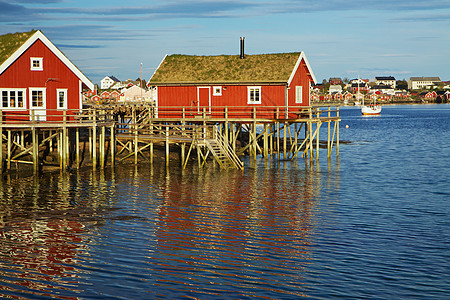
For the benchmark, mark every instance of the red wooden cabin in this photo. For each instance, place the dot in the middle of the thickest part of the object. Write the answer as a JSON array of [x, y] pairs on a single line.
[[261, 83], [36, 78]]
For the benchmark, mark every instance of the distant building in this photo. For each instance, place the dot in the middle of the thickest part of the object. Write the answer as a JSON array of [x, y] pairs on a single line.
[[108, 81], [335, 88], [335, 81], [418, 83], [135, 93], [385, 80], [384, 89]]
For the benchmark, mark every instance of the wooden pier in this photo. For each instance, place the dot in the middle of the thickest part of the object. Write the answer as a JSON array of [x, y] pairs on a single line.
[[103, 135]]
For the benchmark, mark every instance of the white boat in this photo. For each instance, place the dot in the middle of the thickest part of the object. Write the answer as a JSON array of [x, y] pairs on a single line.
[[371, 110]]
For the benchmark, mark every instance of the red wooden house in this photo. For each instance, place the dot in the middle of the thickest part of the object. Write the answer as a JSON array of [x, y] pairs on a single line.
[[37, 77], [242, 84]]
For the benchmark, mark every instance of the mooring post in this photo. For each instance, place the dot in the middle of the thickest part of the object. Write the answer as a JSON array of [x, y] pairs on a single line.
[[329, 128], [337, 132]]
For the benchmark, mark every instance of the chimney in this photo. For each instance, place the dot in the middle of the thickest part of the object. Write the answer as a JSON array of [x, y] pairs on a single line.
[[242, 56]]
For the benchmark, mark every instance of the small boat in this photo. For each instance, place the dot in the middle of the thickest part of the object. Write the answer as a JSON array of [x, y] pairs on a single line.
[[371, 110]]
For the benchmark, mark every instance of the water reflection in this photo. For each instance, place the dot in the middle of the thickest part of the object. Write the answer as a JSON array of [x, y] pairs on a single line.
[[232, 232], [42, 224], [143, 232]]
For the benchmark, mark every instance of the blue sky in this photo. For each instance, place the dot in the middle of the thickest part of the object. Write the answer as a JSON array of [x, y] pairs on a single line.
[[341, 38]]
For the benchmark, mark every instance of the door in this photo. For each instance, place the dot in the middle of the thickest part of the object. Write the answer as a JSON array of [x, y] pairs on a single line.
[[204, 99], [37, 104]]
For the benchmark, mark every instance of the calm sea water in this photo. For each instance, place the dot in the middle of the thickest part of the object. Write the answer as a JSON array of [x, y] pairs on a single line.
[[372, 225]]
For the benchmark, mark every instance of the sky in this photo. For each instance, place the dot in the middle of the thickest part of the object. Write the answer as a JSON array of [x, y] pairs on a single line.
[[341, 38]]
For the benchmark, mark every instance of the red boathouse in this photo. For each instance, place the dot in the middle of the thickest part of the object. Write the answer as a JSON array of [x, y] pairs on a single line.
[[264, 83], [36, 78]]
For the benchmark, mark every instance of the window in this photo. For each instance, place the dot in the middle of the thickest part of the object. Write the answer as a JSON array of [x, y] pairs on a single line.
[[298, 94], [12, 98], [37, 97], [36, 64], [61, 95], [217, 91], [254, 95]]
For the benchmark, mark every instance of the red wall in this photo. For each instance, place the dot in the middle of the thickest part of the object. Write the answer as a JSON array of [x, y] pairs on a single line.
[[301, 78], [235, 98], [19, 75]]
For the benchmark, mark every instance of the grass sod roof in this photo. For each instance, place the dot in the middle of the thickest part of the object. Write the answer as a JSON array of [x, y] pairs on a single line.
[[225, 68], [10, 42]]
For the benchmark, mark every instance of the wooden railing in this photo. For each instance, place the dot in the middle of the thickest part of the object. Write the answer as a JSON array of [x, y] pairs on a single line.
[[243, 112], [55, 117]]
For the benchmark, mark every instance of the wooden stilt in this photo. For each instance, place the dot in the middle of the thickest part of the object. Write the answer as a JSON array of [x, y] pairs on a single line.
[[1, 142], [103, 148], [8, 162], [35, 141], [167, 146], [112, 142], [77, 147], [285, 140], [265, 140]]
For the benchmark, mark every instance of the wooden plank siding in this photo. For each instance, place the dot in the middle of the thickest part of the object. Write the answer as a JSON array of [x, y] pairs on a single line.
[[57, 74], [191, 82]]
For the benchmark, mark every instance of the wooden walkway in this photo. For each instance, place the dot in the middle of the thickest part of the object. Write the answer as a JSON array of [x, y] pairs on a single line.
[[132, 131]]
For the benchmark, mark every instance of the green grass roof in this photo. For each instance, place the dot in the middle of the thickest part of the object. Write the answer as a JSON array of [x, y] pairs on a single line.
[[225, 68], [10, 42]]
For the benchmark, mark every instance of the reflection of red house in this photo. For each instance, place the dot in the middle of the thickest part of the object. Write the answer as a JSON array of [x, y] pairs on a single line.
[[96, 98], [37, 77], [213, 82], [105, 95], [114, 95]]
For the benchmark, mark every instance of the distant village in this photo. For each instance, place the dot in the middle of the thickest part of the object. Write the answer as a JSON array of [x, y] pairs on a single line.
[[383, 89]]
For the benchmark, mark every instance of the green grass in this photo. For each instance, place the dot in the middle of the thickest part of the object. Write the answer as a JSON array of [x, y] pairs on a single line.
[[226, 68], [10, 42]]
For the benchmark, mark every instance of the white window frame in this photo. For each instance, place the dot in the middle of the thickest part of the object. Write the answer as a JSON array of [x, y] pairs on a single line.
[[298, 94], [16, 99], [57, 98], [44, 97], [249, 95], [40, 61], [217, 91]]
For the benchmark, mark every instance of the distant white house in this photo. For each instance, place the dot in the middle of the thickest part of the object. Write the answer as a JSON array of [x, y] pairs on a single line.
[[136, 93], [384, 89], [107, 82], [418, 83], [335, 88], [385, 80]]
